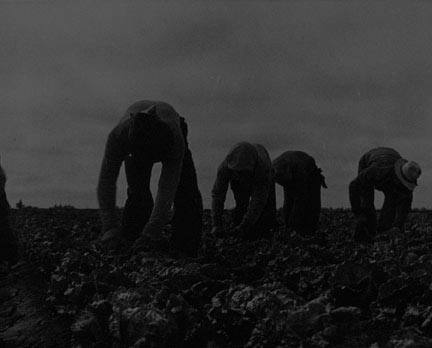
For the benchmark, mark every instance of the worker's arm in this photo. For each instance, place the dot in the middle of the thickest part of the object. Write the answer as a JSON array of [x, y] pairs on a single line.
[[256, 205], [219, 191], [4, 204], [107, 184]]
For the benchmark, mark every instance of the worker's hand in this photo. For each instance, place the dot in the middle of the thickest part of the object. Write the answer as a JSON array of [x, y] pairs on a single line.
[[151, 238], [111, 238], [141, 243], [241, 231], [152, 231], [393, 231], [145, 242], [362, 219], [217, 231]]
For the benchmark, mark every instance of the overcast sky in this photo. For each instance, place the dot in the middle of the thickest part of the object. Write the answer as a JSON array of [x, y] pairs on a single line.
[[331, 78]]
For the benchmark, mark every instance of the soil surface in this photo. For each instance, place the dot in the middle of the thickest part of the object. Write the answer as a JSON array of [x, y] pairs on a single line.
[[324, 290], [25, 320]]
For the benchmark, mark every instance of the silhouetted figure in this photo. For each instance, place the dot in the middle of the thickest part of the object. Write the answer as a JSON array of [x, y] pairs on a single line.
[[301, 180], [151, 132], [8, 242], [247, 169], [382, 169]]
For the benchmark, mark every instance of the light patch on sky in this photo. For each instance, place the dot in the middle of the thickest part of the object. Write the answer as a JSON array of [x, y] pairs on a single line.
[[331, 78]]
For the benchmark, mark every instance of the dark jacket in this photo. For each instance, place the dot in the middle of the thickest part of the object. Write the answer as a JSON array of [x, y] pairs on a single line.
[[294, 168]]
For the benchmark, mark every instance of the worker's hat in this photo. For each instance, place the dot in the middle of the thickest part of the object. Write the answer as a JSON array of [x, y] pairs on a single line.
[[408, 172]]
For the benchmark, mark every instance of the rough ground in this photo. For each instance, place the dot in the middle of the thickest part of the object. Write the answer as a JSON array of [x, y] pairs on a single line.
[[324, 291], [25, 320]]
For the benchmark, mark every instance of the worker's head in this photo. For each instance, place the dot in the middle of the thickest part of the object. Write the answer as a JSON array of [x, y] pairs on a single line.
[[149, 137], [408, 172], [242, 158]]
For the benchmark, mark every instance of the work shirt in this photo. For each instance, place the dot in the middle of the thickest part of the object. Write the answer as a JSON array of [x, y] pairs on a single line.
[[118, 147], [377, 171], [293, 168], [261, 181]]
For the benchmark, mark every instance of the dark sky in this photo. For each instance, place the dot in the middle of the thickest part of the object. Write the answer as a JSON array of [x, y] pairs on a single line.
[[331, 78]]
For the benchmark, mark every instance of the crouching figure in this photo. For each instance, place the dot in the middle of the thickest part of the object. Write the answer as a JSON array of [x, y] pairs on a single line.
[[301, 180], [382, 169], [151, 132], [8, 241], [247, 169]]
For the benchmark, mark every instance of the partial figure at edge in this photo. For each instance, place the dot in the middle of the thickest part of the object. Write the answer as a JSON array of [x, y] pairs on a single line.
[[8, 240]]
